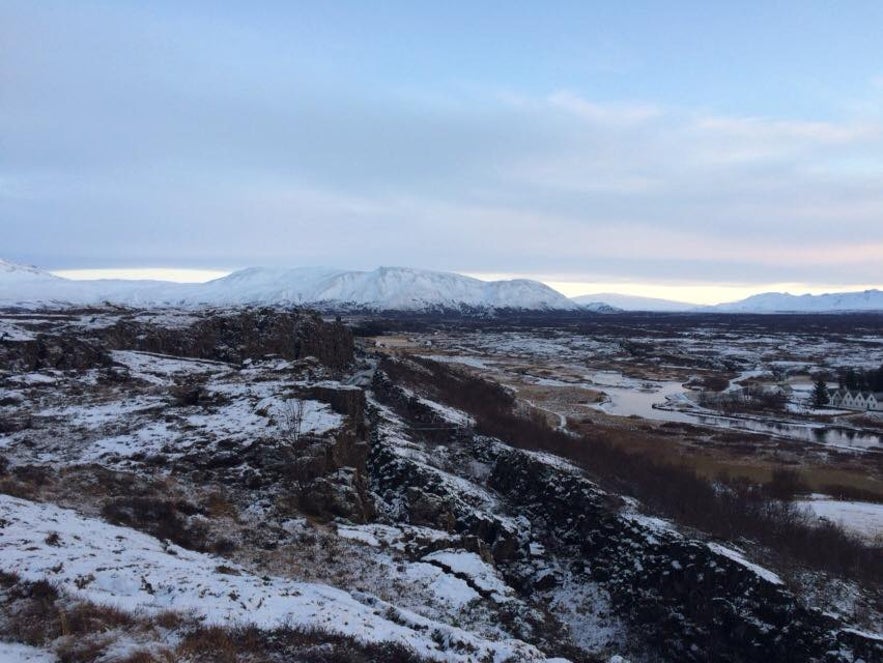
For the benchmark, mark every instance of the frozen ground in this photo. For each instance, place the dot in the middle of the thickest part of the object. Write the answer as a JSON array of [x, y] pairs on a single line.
[[15, 652], [132, 571], [82, 421], [863, 518]]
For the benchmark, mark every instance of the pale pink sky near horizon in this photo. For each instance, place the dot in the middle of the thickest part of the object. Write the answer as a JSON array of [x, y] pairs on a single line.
[[691, 294]]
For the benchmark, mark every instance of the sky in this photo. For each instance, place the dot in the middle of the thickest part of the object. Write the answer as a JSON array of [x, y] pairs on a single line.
[[699, 151]]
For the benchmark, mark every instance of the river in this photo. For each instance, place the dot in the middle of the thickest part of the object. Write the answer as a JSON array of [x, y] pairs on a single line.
[[659, 400]]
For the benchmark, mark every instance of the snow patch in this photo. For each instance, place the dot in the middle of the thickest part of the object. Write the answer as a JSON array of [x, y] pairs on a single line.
[[736, 556], [132, 571], [863, 518], [15, 652]]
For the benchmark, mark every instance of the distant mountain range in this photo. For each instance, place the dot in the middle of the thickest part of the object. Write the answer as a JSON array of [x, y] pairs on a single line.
[[631, 303], [770, 302], [779, 302], [385, 288], [382, 289]]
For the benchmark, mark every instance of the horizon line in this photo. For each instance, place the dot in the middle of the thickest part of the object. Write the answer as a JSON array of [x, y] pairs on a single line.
[[692, 294]]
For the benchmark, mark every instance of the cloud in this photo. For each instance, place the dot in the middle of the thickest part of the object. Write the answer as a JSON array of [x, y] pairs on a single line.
[[607, 114], [128, 146]]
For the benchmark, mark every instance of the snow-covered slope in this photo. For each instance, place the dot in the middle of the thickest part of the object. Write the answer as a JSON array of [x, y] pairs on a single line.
[[772, 302], [393, 288], [11, 272], [385, 288], [632, 302], [597, 306], [115, 566]]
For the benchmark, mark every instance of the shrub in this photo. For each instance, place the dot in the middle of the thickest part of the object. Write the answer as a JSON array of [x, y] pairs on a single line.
[[160, 518], [674, 491], [786, 484]]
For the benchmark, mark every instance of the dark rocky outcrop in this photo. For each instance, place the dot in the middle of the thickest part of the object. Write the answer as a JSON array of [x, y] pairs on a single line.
[[426, 499], [239, 335], [229, 336], [324, 476], [345, 400], [685, 600], [689, 601], [49, 351]]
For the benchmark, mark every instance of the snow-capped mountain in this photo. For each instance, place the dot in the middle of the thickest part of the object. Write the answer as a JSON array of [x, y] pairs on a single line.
[[779, 302], [595, 306], [631, 302], [11, 272], [25, 285], [385, 288]]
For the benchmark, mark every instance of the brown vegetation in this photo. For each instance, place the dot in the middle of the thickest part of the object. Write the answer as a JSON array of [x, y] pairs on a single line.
[[735, 510], [82, 632]]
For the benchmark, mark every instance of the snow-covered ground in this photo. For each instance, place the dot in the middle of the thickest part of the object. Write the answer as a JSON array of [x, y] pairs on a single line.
[[437, 584], [119, 567], [79, 423], [474, 362], [15, 652], [471, 566], [863, 518]]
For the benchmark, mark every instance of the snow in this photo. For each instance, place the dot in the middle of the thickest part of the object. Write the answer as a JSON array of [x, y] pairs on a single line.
[[11, 272], [736, 556], [445, 587], [15, 652], [161, 369], [481, 574], [557, 462], [240, 420], [385, 288], [772, 302], [95, 416], [449, 414], [587, 611], [146, 439], [656, 529], [12, 332], [373, 535], [865, 634], [474, 362], [632, 302], [863, 518], [132, 571], [110, 426], [32, 379]]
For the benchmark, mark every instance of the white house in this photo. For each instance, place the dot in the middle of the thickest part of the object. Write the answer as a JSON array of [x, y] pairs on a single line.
[[857, 400]]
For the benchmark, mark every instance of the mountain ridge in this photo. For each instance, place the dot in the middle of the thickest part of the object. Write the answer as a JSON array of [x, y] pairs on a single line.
[[783, 302], [632, 302], [384, 288], [381, 289]]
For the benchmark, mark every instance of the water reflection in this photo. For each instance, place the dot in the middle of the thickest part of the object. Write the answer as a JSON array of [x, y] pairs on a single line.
[[652, 400]]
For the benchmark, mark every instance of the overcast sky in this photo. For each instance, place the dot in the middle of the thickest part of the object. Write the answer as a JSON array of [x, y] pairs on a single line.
[[699, 144]]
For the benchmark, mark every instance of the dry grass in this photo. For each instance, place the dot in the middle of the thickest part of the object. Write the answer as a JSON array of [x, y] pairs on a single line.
[[209, 645], [82, 632], [673, 489], [217, 505]]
